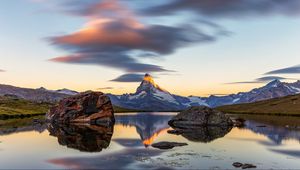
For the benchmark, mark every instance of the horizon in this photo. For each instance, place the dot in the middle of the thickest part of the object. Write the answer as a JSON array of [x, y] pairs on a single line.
[[153, 79], [189, 49]]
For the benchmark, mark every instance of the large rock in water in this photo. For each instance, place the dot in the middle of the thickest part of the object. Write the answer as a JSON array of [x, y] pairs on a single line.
[[87, 107], [200, 116]]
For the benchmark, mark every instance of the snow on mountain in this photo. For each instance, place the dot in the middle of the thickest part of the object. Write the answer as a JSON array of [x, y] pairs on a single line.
[[60, 91], [273, 89], [66, 91], [150, 96]]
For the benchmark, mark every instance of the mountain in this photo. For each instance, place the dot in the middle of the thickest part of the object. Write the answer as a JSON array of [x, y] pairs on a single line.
[[288, 105], [273, 89], [151, 97], [36, 95], [61, 91]]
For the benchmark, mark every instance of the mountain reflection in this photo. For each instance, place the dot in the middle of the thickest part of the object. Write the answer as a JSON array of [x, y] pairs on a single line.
[[87, 138], [275, 133], [148, 125]]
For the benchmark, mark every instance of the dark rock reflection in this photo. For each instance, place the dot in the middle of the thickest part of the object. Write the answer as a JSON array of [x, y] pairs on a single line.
[[202, 134], [87, 138]]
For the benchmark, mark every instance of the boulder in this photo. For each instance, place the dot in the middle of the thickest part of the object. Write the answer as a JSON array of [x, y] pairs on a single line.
[[87, 107], [167, 145], [200, 116]]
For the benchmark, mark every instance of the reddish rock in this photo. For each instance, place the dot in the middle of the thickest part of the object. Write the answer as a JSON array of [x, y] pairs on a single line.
[[87, 107]]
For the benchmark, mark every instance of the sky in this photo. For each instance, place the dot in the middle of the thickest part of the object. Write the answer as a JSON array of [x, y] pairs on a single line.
[[190, 47]]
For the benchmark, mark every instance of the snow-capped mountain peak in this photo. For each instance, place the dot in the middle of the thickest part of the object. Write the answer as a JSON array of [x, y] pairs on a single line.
[[274, 83], [148, 84], [150, 96]]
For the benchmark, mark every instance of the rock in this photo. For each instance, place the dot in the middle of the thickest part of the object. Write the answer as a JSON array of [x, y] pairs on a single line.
[[243, 166], [246, 166], [87, 138], [200, 116], [87, 107], [237, 164], [167, 145], [239, 122]]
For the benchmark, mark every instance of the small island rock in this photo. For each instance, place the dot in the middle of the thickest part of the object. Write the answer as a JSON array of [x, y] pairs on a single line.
[[200, 116], [167, 145]]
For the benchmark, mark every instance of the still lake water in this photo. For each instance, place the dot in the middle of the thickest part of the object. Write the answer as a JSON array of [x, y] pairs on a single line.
[[269, 142]]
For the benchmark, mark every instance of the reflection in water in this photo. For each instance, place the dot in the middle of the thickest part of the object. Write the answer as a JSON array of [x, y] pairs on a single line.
[[288, 152], [12, 126], [88, 138], [147, 125], [116, 160], [203, 134], [31, 150], [275, 133]]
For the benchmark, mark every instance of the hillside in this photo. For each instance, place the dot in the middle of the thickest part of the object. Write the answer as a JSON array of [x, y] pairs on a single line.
[[36, 95], [289, 105], [10, 106]]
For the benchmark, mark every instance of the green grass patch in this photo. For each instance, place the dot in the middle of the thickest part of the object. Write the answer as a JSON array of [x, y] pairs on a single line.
[[283, 106], [14, 106]]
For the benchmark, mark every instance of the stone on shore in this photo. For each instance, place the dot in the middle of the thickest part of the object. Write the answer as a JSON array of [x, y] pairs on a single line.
[[87, 107]]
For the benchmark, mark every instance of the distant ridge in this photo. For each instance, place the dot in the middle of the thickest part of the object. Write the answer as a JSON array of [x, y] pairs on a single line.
[[288, 105], [36, 95]]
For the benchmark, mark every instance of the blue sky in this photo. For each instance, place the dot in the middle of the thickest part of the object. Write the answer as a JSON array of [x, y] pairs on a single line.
[[190, 49]]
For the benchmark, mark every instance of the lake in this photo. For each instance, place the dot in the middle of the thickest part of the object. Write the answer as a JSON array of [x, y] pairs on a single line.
[[265, 141]]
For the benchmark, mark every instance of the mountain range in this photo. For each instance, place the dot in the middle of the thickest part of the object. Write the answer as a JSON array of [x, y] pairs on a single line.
[[36, 95], [149, 96]]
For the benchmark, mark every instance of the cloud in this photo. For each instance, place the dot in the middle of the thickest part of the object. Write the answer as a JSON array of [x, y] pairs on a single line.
[[129, 78], [2, 70], [218, 94], [261, 80], [113, 37], [287, 70], [228, 8], [105, 88]]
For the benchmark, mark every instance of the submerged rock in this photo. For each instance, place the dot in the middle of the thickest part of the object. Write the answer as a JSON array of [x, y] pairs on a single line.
[[167, 145], [200, 116], [246, 166], [243, 166], [237, 164], [239, 122], [87, 107]]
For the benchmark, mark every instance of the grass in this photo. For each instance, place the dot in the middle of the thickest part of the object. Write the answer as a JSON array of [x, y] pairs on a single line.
[[283, 106], [269, 119], [118, 109], [10, 106]]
